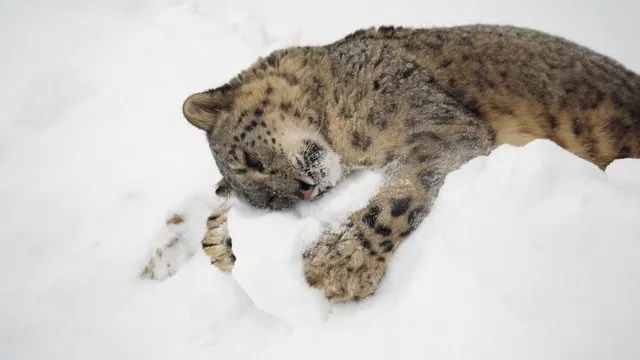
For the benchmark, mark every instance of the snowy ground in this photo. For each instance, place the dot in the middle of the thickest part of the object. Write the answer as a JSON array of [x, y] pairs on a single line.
[[529, 253]]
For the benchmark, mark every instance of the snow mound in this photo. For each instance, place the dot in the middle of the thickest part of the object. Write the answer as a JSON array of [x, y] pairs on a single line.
[[529, 252]]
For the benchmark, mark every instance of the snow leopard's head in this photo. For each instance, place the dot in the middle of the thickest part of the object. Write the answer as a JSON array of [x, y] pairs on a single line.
[[265, 136]]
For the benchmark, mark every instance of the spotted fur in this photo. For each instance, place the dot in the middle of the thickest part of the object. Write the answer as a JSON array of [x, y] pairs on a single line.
[[417, 102]]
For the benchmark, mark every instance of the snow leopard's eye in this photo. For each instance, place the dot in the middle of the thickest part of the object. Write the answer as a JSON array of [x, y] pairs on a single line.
[[252, 162]]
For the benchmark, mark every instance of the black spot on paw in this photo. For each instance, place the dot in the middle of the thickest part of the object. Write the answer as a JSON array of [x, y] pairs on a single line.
[[371, 216], [386, 246], [399, 206], [383, 230]]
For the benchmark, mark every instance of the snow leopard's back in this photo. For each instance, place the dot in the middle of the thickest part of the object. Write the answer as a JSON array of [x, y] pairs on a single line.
[[526, 85]]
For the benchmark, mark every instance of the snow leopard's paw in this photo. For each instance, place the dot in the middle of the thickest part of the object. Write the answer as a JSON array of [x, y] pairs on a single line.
[[171, 252], [216, 242], [343, 266]]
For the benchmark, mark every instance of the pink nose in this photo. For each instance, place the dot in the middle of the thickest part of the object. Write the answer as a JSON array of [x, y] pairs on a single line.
[[308, 194]]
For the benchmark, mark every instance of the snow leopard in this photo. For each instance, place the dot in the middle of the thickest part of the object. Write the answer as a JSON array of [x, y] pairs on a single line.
[[416, 103]]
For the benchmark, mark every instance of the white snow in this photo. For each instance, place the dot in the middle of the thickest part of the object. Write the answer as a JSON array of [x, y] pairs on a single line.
[[529, 253], [268, 247]]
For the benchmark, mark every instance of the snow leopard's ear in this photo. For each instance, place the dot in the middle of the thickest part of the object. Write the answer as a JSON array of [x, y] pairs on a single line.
[[203, 109]]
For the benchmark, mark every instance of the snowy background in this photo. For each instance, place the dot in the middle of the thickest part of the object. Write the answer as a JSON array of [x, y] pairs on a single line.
[[529, 253]]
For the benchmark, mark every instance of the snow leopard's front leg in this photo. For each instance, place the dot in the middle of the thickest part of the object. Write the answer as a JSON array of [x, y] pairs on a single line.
[[348, 263], [216, 242]]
